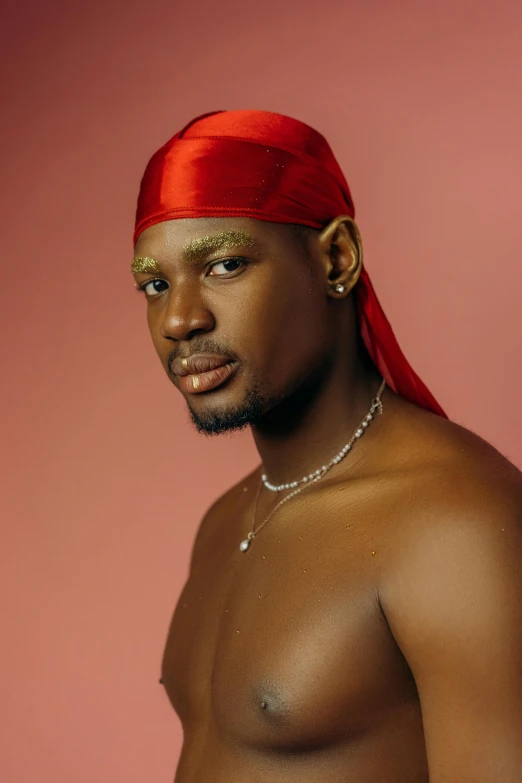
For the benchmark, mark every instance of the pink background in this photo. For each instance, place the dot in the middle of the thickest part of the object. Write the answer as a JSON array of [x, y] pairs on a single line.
[[105, 481]]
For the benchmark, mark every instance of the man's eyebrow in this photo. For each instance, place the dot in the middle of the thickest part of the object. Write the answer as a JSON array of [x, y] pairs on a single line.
[[199, 248], [144, 264]]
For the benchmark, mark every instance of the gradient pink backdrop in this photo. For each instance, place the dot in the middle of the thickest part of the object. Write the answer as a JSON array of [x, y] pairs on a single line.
[[104, 480]]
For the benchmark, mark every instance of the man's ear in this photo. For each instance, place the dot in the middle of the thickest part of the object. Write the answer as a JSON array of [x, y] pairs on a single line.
[[341, 252]]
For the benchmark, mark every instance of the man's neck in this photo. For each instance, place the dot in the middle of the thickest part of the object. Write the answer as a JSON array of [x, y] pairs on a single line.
[[311, 426]]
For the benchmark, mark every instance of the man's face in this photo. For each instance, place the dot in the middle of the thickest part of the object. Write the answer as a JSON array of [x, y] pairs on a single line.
[[238, 314]]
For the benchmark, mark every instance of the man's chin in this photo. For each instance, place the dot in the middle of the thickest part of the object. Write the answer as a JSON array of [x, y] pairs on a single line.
[[231, 419]]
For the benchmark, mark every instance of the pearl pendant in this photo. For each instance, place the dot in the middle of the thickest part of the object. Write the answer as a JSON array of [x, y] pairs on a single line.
[[244, 545]]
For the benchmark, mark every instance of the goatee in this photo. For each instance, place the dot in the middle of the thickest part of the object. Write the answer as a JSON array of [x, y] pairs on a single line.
[[233, 419]]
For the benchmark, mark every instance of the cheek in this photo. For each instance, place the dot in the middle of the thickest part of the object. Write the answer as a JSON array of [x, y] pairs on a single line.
[[301, 343], [283, 331], [154, 329]]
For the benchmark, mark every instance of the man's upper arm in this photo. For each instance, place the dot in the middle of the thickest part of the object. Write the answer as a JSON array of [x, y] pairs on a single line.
[[453, 601]]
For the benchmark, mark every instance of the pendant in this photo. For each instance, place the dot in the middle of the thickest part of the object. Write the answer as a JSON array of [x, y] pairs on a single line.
[[244, 545]]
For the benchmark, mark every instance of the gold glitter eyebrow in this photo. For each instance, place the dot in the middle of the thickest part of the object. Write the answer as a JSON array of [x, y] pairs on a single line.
[[144, 264], [199, 248]]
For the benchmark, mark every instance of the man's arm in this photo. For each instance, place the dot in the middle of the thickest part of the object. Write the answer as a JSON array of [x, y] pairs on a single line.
[[453, 601]]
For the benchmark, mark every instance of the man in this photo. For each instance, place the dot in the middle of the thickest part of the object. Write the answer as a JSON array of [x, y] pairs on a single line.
[[353, 610]]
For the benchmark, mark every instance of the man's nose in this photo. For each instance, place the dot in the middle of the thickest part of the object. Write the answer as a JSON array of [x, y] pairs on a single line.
[[186, 314]]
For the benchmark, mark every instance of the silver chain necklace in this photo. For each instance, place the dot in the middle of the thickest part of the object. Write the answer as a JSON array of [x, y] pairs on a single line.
[[307, 481]]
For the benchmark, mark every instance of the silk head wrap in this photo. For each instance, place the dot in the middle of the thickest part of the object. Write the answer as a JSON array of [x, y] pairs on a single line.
[[266, 166]]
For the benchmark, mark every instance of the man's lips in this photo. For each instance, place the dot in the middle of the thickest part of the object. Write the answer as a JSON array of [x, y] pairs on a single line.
[[202, 372], [199, 363]]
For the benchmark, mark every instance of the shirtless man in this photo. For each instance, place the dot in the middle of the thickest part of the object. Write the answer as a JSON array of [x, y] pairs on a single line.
[[369, 630]]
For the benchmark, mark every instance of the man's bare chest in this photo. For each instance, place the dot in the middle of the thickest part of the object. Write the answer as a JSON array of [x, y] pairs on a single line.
[[284, 645]]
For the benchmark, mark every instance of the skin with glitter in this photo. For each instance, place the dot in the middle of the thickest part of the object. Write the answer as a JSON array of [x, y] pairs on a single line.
[[144, 264], [372, 629], [223, 240]]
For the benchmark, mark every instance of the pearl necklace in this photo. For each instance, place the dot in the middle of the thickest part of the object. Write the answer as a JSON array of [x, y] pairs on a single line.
[[377, 404], [307, 481]]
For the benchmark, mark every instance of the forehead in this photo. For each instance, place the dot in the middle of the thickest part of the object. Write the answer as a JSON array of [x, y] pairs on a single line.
[[172, 238]]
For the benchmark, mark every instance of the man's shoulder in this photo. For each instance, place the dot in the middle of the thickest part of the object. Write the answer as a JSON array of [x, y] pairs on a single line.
[[237, 495], [226, 509], [449, 464], [459, 498]]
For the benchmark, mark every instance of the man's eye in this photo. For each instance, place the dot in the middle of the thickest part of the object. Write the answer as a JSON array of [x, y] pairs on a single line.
[[152, 288], [226, 268]]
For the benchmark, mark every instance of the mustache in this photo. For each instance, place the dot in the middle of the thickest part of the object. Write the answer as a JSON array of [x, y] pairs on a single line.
[[202, 345]]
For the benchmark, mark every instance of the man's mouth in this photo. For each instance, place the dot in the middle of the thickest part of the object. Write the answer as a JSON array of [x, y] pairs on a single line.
[[203, 372]]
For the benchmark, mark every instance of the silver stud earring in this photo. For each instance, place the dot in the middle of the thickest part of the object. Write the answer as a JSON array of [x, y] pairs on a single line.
[[339, 288]]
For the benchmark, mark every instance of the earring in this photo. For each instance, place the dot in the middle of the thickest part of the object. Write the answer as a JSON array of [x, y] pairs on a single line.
[[339, 288]]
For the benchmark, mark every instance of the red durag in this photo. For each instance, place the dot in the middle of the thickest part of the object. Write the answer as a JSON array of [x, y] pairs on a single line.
[[267, 166]]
